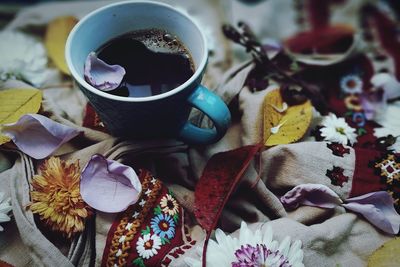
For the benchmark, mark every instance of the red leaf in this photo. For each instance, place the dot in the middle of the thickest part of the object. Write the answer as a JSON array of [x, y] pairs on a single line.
[[220, 178]]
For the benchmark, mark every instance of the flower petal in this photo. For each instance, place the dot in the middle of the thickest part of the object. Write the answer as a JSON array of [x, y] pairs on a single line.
[[377, 208], [388, 83], [316, 195], [37, 135], [101, 75], [108, 185]]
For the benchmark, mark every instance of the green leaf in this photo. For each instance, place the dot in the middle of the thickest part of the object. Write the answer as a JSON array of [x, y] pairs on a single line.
[[164, 240], [294, 66], [157, 210], [146, 231], [139, 262], [171, 193], [176, 217], [361, 131]]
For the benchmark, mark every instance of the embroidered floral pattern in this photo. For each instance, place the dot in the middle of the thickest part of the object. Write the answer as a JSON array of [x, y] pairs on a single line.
[[351, 84], [355, 113], [139, 240], [338, 149], [388, 168], [337, 177], [163, 225], [148, 245], [169, 205], [130, 222]]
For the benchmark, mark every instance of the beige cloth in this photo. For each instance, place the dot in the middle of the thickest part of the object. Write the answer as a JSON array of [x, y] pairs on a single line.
[[329, 237]]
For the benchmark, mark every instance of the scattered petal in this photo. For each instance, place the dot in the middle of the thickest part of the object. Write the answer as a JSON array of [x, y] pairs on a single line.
[[388, 83], [37, 135], [108, 185], [377, 208], [373, 103], [316, 195], [101, 75], [24, 101]]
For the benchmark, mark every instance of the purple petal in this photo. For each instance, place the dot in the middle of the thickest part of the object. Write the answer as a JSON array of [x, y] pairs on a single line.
[[316, 195], [108, 185], [388, 83], [101, 75], [373, 102], [377, 208], [37, 135]]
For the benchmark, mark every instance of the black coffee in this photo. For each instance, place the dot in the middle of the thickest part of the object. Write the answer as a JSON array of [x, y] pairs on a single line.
[[155, 62]]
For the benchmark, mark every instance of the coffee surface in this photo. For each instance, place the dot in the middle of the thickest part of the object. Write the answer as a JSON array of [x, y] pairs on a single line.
[[155, 62]]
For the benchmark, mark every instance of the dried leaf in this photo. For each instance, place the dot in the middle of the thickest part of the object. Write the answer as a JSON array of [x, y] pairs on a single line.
[[387, 255], [220, 177], [17, 102], [56, 36], [284, 126]]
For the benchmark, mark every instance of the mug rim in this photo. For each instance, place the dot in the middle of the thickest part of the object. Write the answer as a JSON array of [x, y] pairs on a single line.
[[82, 82]]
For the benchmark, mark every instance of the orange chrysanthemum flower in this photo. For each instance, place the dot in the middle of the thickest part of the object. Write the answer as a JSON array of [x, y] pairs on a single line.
[[56, 197]]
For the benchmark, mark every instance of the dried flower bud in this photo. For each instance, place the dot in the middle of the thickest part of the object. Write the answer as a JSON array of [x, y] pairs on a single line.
[[231, 33]]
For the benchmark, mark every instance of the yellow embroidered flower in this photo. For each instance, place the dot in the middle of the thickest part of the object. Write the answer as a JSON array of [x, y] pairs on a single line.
[[169, 205], [56, 197]]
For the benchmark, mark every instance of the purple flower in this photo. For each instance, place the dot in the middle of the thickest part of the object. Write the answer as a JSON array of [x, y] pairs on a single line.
[[249, 256]]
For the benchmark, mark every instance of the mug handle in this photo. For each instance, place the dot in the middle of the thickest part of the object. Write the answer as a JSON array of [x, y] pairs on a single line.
[[212, 106]]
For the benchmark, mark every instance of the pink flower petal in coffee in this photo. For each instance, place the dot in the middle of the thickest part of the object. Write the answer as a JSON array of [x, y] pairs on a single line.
[[316, 195], [101, 75], [377, 208], [37, 135], [109, 186]]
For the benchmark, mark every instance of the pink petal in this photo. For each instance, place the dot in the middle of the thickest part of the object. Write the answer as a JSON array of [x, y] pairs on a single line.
[[377, 208], [37, 135], [316, 195], [101, 75], [108, 185]]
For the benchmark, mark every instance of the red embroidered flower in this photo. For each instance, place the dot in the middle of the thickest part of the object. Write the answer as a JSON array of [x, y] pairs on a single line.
[[338, 149], [337, 177]]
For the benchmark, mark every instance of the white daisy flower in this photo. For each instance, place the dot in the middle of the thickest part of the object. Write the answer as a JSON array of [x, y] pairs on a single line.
[[22, 58], [337, 130], [251, 249], [351, 84], [148, 245], [5, 208], [169, 205]]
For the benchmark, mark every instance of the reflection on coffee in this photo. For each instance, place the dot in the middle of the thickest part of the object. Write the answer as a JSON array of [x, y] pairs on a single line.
[[155, 62]]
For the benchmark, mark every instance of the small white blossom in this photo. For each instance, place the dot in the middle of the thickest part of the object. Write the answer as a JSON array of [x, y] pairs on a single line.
[[22, 58], [148, 246], [337, 130]]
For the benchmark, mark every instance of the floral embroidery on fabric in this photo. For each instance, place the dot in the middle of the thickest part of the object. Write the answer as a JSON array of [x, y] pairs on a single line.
[[146, 231], [163, 225], [337, 177], [169, 205], [388, 168], [351, 84], [338, 149], [355, 113], [148, 245]]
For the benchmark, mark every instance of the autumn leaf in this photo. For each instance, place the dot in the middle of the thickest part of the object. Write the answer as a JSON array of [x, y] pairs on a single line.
[[17, 102], [386, 255], [56, 36], [219, 179], [283, 124]]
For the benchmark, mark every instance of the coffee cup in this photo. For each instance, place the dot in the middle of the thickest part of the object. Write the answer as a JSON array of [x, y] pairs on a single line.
[[162, 115]]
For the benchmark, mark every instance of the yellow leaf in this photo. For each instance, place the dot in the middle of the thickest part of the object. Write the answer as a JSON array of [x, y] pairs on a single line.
[[56, 36], [282, 124], [387, 255], [17, 102]]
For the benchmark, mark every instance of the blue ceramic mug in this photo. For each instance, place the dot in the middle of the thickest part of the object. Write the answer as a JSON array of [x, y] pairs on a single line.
[[163, 115]]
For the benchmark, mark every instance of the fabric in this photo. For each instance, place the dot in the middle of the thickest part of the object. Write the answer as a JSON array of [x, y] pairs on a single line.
[[329, 236]]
